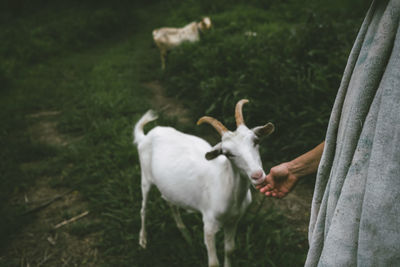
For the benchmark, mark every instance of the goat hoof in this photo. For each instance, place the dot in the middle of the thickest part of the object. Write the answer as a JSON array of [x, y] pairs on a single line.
[[143, 243]]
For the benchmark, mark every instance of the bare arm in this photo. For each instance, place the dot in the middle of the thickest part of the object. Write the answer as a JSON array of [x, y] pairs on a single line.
[[308, 162], [283, 177]]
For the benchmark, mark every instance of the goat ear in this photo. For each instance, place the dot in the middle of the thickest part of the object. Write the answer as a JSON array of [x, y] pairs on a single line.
[[265, 130], [215, 152]]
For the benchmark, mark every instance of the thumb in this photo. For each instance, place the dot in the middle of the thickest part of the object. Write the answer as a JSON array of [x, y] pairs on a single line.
[[270, 181]]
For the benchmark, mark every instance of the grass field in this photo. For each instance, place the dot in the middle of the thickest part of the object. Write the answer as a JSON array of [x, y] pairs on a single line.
[[74, 80]]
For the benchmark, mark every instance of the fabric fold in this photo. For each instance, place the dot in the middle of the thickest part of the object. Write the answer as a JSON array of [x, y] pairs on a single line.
[[351, 209]]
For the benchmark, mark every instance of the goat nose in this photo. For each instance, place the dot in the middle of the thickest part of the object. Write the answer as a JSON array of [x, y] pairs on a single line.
[[257, 175]]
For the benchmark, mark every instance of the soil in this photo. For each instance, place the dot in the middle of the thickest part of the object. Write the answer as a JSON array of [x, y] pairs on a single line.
[[169, 106], [40, 244], [296, 206]]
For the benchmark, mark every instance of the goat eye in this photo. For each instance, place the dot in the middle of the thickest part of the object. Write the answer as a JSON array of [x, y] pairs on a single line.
[[256, 141]]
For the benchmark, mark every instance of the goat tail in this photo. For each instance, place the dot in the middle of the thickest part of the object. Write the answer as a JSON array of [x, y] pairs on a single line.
[[138, 134]]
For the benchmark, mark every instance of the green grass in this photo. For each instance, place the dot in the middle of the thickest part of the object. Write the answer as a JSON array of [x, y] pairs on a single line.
[[290, 71], [89, 62]]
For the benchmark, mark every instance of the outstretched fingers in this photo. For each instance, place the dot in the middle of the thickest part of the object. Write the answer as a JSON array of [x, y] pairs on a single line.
[[275, 186], [268, 184]]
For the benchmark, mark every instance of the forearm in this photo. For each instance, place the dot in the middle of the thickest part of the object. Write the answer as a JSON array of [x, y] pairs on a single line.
[[306, 163]]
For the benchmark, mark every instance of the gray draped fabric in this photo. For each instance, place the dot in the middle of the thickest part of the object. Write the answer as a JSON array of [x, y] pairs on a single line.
[[355, 215]]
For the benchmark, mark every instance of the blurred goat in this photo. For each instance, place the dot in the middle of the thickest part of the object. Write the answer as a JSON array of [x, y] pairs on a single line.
[[191, 174], [168, 38]]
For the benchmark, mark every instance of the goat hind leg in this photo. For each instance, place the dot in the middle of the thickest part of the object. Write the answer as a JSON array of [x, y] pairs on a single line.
[[179, 223], [146, 185], [163, 56]]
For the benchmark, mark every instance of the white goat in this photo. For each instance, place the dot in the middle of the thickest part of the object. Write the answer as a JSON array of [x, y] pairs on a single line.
[[191, 174], [168, 38]]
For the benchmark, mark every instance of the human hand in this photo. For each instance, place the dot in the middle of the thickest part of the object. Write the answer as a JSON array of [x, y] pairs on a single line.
[[279, 182]]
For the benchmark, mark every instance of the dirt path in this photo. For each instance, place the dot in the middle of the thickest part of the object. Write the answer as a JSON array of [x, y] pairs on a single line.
[[168, 105], [296, 206], [40, 244]]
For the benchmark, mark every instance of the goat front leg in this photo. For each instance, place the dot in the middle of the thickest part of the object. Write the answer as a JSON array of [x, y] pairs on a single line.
[[211, 227], [179, 223], [145, 192], [163, 54], [229, 239]]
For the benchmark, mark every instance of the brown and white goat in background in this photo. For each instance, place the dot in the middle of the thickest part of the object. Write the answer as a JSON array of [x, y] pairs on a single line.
[[168, 38], [191, 174]]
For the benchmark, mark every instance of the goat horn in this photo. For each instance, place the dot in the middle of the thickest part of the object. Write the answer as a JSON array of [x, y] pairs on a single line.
[[221, 129], [238, 112]]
